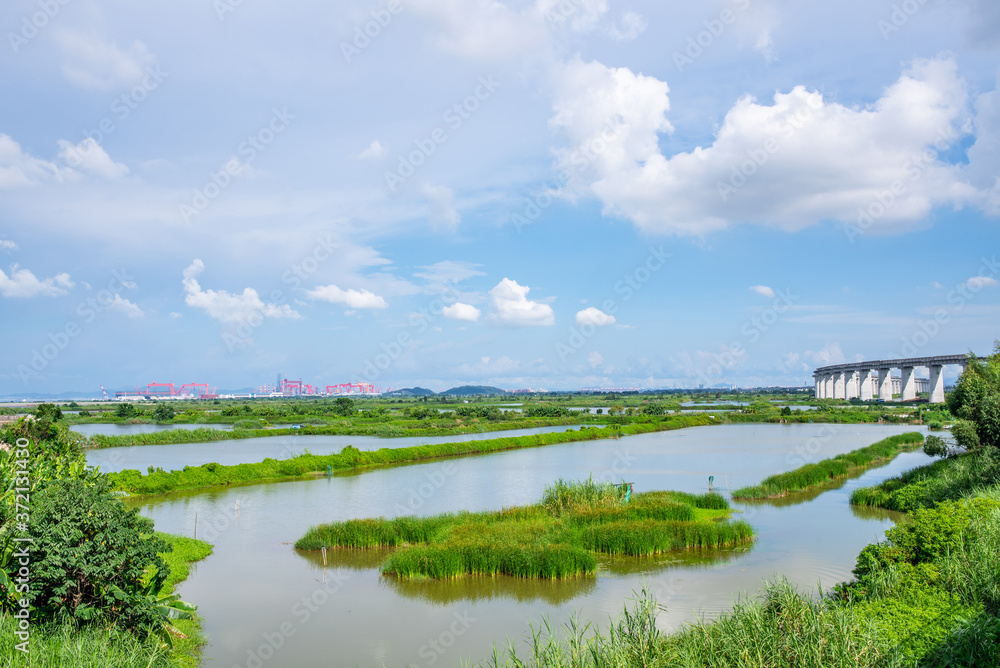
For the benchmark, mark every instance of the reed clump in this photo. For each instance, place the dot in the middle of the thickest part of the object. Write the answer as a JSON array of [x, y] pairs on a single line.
[[806, 476], [555, 538]]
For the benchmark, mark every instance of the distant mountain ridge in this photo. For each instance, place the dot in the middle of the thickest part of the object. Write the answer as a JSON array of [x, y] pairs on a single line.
[[410, 392], [473, 390]]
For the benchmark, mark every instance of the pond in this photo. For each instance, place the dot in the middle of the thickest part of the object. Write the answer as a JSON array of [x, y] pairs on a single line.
[[260, 597]]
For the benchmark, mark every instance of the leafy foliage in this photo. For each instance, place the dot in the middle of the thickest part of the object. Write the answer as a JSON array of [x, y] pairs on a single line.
[[976, 402]]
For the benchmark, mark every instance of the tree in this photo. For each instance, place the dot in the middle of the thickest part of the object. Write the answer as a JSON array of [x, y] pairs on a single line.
[[343, 407], [163, 412], [126, 410], [975, 401]]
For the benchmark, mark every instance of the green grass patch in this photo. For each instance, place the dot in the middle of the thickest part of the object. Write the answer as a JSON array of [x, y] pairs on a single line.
[[806, 476], [925, 486], [556, 538], [350, 458]]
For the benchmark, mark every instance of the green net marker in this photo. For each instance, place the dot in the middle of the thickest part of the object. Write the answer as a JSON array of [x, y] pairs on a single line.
[[711, 479]]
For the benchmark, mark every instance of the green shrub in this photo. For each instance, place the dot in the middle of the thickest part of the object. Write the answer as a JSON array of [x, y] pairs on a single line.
[[91, 554]]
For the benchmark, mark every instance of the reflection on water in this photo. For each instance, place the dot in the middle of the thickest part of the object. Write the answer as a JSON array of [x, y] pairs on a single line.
[[656, 563], [255, 580]]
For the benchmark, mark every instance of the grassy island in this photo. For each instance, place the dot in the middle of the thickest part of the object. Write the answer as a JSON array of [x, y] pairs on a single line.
[[556, 538]]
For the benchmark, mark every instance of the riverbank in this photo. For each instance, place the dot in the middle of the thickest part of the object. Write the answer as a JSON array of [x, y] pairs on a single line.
[[207, 433], [556, 538], [847, 464], [926, 596], [350, 458], [70, 646]]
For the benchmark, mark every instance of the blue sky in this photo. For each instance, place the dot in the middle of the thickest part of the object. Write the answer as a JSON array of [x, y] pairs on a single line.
[[547, 194]]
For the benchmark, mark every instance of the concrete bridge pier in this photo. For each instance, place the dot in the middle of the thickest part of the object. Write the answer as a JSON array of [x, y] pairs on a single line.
[[908, 384], [840, 385], [866, 385], [851, 387], [937, 384], [885, 384]]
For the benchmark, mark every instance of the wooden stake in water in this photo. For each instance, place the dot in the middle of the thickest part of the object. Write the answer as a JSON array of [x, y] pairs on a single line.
[[323, 550], [196, 525], [237, 507]]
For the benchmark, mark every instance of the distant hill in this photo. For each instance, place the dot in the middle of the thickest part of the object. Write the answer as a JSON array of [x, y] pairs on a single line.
[[473, 390], [410, 392]]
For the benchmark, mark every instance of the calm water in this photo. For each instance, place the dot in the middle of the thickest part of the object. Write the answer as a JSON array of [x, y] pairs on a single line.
[[111, 429], [256, 592], [249, 450]]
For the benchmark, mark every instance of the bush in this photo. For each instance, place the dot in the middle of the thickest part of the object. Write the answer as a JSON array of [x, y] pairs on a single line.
[[91, 554]]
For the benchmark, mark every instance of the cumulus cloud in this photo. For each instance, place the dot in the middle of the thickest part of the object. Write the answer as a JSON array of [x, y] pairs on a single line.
[[594, 316], [762, 290], [227, 307], [7, 244], [791, 163], [94, 64], [596, 359], [460, 311], [23, 283], [123, 305], [374, 151], [351, 297], [825, 356], [89, 156], [980, 282], [18, 169], [483, 29], [510, 306], [631, 26]]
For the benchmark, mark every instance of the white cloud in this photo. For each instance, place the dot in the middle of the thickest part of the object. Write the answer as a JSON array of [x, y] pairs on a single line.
[[631, 26], [175, 315], [580, 15], [979, 282], [594, 316], [8, 245], [125, 306], [443, 214], [18, 169], [483, 29], [23, 283], [596, 359], [825, 356], [374, 151], [93, 64], [762, 290], [352, 298], [460, 311], [446, 272], [803, 158], [510, 306], [89, 156], [227, 307]]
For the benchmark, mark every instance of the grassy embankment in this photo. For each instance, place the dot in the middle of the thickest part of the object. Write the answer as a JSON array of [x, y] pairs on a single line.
[[350, 458], [826, 470], [556, 538], [205, 434], [928, 596], [72, 646]]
